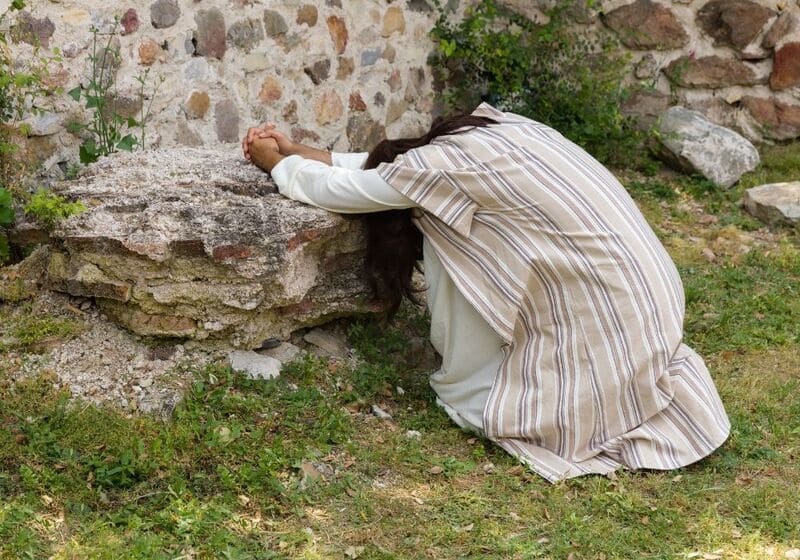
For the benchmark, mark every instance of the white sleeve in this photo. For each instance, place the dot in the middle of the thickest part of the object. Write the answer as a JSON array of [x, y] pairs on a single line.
[[346, 191], [349, 160]]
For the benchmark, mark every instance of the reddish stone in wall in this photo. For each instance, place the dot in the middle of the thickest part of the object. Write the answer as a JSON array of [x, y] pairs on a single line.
[[356, 102], [710, 71], [647, 25], [130, 22], [787, 23], [210, 33], [786, 67], [338, 31], [733, 22], [779, 121]]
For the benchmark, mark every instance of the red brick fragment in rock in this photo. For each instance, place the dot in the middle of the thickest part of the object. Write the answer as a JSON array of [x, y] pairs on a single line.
[[710, 71], [779, 121], [786, 67], [645, 25], [303, 236], [130, 22], [225, 252], [733, 22], [338, 31]]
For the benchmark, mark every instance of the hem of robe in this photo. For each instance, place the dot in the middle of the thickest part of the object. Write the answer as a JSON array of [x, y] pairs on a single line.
[[691, 427]]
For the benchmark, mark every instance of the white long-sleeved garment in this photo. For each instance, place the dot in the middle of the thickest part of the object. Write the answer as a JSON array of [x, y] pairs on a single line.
[[471, 351]]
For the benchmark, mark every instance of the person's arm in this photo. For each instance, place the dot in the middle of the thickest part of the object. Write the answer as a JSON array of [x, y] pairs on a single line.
[[353, 160], [307, 152], [346, 191], [285, 145]]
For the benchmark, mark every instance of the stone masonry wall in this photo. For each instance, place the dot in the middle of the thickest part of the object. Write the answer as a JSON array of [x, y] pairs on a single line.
[[344, 73], [735, 61], [337, 73]]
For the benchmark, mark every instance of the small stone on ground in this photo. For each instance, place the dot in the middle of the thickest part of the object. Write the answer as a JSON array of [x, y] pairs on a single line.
[[254, 365]]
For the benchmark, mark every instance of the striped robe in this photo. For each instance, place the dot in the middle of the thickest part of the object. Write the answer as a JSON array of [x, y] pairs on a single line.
[[551, 250]]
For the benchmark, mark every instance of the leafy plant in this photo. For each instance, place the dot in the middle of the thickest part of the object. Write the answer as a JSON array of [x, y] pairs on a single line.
[[550, 72], [18, 84], [108, 130], [6, 219], [49, 208]]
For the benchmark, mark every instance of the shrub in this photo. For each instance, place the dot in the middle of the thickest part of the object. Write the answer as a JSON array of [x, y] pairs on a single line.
[[551, 72], [49, 208]]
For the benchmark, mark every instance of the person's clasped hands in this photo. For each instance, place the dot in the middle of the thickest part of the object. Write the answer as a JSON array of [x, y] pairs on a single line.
[[265, 137]]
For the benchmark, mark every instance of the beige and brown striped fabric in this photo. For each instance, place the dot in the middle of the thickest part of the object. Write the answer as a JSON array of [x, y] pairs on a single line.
[[554, 254]]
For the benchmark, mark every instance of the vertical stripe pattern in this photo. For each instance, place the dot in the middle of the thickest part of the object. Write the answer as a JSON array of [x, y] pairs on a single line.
[[550, 249]]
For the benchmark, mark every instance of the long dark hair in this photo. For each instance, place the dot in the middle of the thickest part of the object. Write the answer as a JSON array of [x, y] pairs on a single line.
[[394, 244]]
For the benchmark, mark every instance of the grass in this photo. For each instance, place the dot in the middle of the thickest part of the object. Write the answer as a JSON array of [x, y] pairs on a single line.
[[297, 467]]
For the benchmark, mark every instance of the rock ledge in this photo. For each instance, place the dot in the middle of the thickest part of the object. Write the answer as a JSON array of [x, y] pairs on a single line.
[[197, 244]]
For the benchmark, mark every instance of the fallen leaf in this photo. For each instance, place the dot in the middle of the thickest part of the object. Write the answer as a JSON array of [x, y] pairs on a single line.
[[543, 540], [465, 528], [436, 469], [515, 516], [244, 500], [645, 520], [46, 499]]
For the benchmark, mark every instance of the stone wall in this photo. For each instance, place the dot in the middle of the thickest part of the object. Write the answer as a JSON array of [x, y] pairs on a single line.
[[343, 73], [338, 73], [736, 61]]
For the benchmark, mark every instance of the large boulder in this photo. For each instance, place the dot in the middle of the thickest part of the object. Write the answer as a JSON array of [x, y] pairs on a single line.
[[696, 145], [197, 243], [774, 203]]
